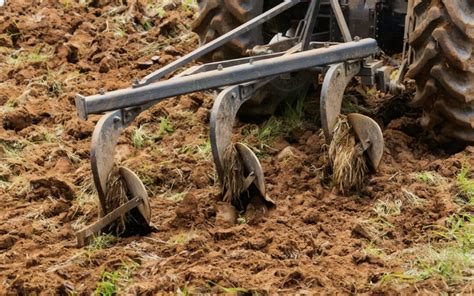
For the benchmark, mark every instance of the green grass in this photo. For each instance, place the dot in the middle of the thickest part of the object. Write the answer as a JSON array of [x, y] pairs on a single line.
[[430, 178], [451, 263], [148, 133], [182, 238], [34, 57], [268, 131], [120, 33], [189, 4], [112, 283], [147, 25], [451, 258], [460, 229], [198, 152], [165, 126], [372, 250], [450, 254], [139, 137], [293, 117], [466, 185], [182, 291], [176, 197], [226, 290], [101, 242]]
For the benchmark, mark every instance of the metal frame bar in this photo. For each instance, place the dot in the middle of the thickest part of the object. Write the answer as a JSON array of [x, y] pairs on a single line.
[[155, 92]]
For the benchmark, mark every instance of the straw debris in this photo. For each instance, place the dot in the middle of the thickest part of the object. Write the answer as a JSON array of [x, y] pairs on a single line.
[[234, 170], [115, 197], [347, 158]]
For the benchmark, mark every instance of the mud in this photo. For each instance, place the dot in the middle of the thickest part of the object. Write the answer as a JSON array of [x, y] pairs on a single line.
[[314, 241]]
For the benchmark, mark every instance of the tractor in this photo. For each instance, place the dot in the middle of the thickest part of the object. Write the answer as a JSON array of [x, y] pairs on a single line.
[[263, 53]]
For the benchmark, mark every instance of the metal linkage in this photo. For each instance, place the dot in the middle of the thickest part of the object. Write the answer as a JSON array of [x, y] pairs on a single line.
[[310, 23], [341, 21], [216, 43], [156, 92]]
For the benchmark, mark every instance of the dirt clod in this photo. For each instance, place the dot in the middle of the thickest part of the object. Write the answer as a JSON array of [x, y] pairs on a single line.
[[7, 241], [48, 187], [18, 119]]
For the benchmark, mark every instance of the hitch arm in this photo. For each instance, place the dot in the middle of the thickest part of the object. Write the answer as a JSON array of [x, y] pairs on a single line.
[[209, 47], [153, 93]]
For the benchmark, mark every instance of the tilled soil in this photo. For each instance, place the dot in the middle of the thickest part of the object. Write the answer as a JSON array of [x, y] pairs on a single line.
[[314, 241]]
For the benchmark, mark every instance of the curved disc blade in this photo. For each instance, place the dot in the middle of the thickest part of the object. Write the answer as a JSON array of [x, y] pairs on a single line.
[[332, 93], [222, 120], [104, 140], [252, 164], [369, 135], [137, 189]]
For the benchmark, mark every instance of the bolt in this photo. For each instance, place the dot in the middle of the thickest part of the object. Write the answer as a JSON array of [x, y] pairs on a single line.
[[136, 82], [220, 67], [101, 91]]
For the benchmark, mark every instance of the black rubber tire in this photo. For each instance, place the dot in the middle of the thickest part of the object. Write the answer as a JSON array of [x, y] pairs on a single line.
[[217, 17], [443, 67]]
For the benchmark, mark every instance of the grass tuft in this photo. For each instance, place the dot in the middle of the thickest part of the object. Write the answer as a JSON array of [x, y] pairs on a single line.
[[101, 242], [452, 258], [384, 208], [139, 137], [465, 185], [112, 283], [230, 290], [347, 158], [182, 238]]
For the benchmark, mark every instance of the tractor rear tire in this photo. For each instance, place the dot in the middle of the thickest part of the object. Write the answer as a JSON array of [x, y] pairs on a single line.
[[217, 17], [443, 67]]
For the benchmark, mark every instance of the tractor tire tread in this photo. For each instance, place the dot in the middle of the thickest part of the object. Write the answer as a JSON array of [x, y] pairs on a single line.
[[443, 67]]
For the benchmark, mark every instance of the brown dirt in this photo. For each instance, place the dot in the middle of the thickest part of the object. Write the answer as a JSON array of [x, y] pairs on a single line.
[[313, 241]]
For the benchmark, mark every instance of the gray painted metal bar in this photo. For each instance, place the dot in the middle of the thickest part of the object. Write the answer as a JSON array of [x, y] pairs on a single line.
[[155, 92], [216, 43]]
